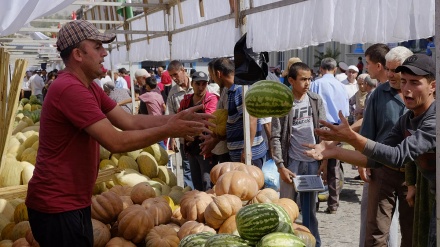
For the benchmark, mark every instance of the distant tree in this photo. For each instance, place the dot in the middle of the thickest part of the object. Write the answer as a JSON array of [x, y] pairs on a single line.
[[328, 53]]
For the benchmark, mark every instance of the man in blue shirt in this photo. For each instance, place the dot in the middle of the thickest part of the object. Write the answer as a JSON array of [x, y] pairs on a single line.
[[335, 98]]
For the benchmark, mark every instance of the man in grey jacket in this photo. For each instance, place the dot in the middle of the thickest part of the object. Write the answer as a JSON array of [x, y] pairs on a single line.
[[412, 139], [291, 131]]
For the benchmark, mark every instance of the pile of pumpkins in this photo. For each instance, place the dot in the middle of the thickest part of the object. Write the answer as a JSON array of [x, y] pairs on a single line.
[[138, 216]]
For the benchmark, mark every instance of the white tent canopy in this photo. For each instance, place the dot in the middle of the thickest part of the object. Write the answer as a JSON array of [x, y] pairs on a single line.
[[271, 25]]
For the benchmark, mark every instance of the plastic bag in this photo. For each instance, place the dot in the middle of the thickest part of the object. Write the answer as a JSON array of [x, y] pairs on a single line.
[[271, 175]]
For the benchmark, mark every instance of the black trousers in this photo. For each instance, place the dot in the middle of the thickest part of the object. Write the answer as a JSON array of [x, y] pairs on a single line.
[[67, 229]]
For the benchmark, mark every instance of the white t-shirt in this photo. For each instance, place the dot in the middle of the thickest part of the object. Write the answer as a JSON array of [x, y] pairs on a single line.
[[351, 88], [302, 130]]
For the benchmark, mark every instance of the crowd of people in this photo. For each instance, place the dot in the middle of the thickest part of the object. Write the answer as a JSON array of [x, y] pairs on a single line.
[[37, 82], [386, 113]]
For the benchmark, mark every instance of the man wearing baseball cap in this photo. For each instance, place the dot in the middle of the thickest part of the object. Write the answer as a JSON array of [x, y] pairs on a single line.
[[77, 117], [413, 138]]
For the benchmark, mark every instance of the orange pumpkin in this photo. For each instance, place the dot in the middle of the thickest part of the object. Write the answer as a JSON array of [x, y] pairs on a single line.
[[20, 213], [119, 242], [177, 218], [141, 192], [266, 195], [304, 234], [229, 226], [31, 240], [192, 227], [254, 171], [237, 183], [106, 207], [163, 236], [159, 210], [121, 190], [220, 209], [221, 169], [174, 226], [290, 206], [21, 242], [134, 223], [20, 230], [126, 201], [193, 205], [101, 233]]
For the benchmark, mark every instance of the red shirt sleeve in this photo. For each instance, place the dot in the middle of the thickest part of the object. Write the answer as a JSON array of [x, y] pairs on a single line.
[[210, 103]]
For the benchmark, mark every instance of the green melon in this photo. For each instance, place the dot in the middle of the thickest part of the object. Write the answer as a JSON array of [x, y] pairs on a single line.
[[268, 99], [256, 220], [276, 239], [195, 240], [220, 240]]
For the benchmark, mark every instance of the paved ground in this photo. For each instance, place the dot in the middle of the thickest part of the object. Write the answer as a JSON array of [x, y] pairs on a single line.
[[342, 229]]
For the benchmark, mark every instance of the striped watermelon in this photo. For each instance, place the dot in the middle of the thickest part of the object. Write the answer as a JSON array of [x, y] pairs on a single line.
[[229, 240], [268, 99], [196, 240], [256, 220], [276, 239], [285, 224]]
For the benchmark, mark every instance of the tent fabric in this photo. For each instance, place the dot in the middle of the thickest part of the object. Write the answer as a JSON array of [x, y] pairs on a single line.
[[345, 21], [16, 14], [290, 27]]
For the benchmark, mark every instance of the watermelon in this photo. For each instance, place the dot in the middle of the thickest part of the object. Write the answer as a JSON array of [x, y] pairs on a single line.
[[256, 220], [220, 240], [195, 240], [280, 239], [268, 99], [285, 224]]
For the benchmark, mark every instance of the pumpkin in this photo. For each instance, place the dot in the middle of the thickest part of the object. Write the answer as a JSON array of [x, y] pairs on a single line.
[[30, 239], [119, 242], [106, 207], [220, 209], [265, 195], [134, 223], [159, 210], [101, 233], [229, 226], [174, 226], [193, 205], [177, 218], [290, 206], [163, 236], [254, 171], [20, 213], [304, 234], [192, 227], [237, 183], [126, 201], [222, 168], [21, 242], [141, 192], [121, 190], [20, 230]]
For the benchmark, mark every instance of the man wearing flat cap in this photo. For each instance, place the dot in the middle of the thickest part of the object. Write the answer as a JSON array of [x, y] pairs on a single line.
[[77, 117], [413, 138]]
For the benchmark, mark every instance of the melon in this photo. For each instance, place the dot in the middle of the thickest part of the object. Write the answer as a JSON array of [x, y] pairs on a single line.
[[159, 153], [196, 240], [268, 99], [224, 239], [256, 220], [127, 162], [147, 165], [280, 239]]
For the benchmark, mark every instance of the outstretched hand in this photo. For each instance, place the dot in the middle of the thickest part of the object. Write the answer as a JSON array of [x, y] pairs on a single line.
[[322, 151], [341, 132], [189, 123]]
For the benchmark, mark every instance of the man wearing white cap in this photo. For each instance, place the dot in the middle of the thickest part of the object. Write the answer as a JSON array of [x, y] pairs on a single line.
[[350, 83]]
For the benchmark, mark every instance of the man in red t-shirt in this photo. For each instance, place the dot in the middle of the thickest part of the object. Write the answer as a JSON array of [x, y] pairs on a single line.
[[76, 118]]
